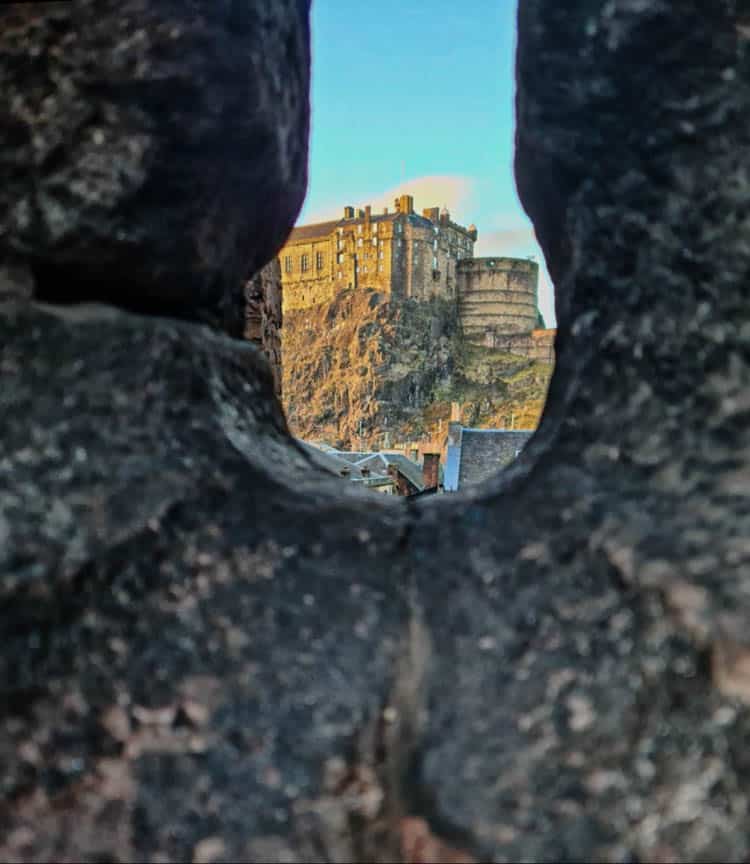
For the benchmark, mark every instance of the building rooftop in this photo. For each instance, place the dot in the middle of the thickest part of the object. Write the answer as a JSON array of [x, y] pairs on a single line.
[[475, 455], [381, 462]]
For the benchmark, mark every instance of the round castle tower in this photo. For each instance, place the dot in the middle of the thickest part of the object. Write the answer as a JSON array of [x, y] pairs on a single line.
[[496, 296]]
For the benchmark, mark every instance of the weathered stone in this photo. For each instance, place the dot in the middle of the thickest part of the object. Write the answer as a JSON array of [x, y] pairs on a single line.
[[264, 316], [205, 656], [368, 370], [152, 155], [225, 660]]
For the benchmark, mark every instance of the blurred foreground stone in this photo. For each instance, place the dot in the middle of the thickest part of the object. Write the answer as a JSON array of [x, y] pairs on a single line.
[[211, 652]]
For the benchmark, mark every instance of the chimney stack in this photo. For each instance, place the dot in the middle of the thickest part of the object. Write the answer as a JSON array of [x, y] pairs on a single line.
[[431, 470], [348, 212], [406, 204]]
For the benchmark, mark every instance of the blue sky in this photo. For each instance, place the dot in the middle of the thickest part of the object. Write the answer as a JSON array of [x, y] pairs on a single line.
[[418, 95]]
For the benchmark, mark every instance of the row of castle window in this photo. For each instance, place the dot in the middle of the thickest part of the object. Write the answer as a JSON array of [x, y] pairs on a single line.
[[304, 262], [340, 256], [379, 269]]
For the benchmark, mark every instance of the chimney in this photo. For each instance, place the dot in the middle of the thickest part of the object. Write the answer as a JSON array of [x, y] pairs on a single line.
[[454, 434], [361, 213], [431, 213], [348, 212], [431, 470], [368, 211], [397, 205], [385, 211], [406, 204]]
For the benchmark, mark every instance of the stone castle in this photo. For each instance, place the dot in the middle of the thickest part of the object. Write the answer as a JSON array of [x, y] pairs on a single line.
[[405, 255]]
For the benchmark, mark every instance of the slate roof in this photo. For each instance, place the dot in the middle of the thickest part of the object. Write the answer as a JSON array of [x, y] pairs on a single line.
[[313, 232], [380, 461], [331, 462], [323, 229], [377, 464], [485, 451]]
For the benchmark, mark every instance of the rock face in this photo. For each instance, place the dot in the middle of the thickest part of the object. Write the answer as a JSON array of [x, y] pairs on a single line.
[[212, 653], [153, 155], [365, 370], [264, 317]]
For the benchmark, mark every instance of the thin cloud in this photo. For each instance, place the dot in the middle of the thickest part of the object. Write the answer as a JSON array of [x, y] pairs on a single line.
[[504, 241]]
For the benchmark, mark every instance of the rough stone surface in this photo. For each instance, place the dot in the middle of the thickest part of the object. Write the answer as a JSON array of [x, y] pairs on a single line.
[[264, 316], [206, 657], [365, 370], [187, 654], [151, 154]]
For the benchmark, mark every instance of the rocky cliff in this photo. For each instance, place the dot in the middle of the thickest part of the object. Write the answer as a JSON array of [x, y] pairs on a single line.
[[364, 370]]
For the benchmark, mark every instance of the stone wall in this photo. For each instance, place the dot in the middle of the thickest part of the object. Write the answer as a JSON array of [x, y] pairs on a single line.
[[537, 345], [399, 253], [212, 651], [497, 296]]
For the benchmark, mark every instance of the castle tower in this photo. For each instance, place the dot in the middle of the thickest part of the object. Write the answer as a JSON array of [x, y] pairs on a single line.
[[496, 296]]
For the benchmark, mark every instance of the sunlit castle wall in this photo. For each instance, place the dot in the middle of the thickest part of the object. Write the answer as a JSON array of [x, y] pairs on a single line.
[[397, 252], [496, 297]]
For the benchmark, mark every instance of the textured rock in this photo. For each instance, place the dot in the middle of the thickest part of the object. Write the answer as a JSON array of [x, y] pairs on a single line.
[[364, 370], [186, 652], [597, 660], [210, 652], [152, 155], [263, 316]]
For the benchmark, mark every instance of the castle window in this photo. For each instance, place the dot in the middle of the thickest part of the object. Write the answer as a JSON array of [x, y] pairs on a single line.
[[380, 268], [304, 263], [380, 254], [365, 268], [340, 274], [375, 227], [318, 260], [288, 267], [359, 229], [374, 241], [340, 258], [359, 242], [356, 269]]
